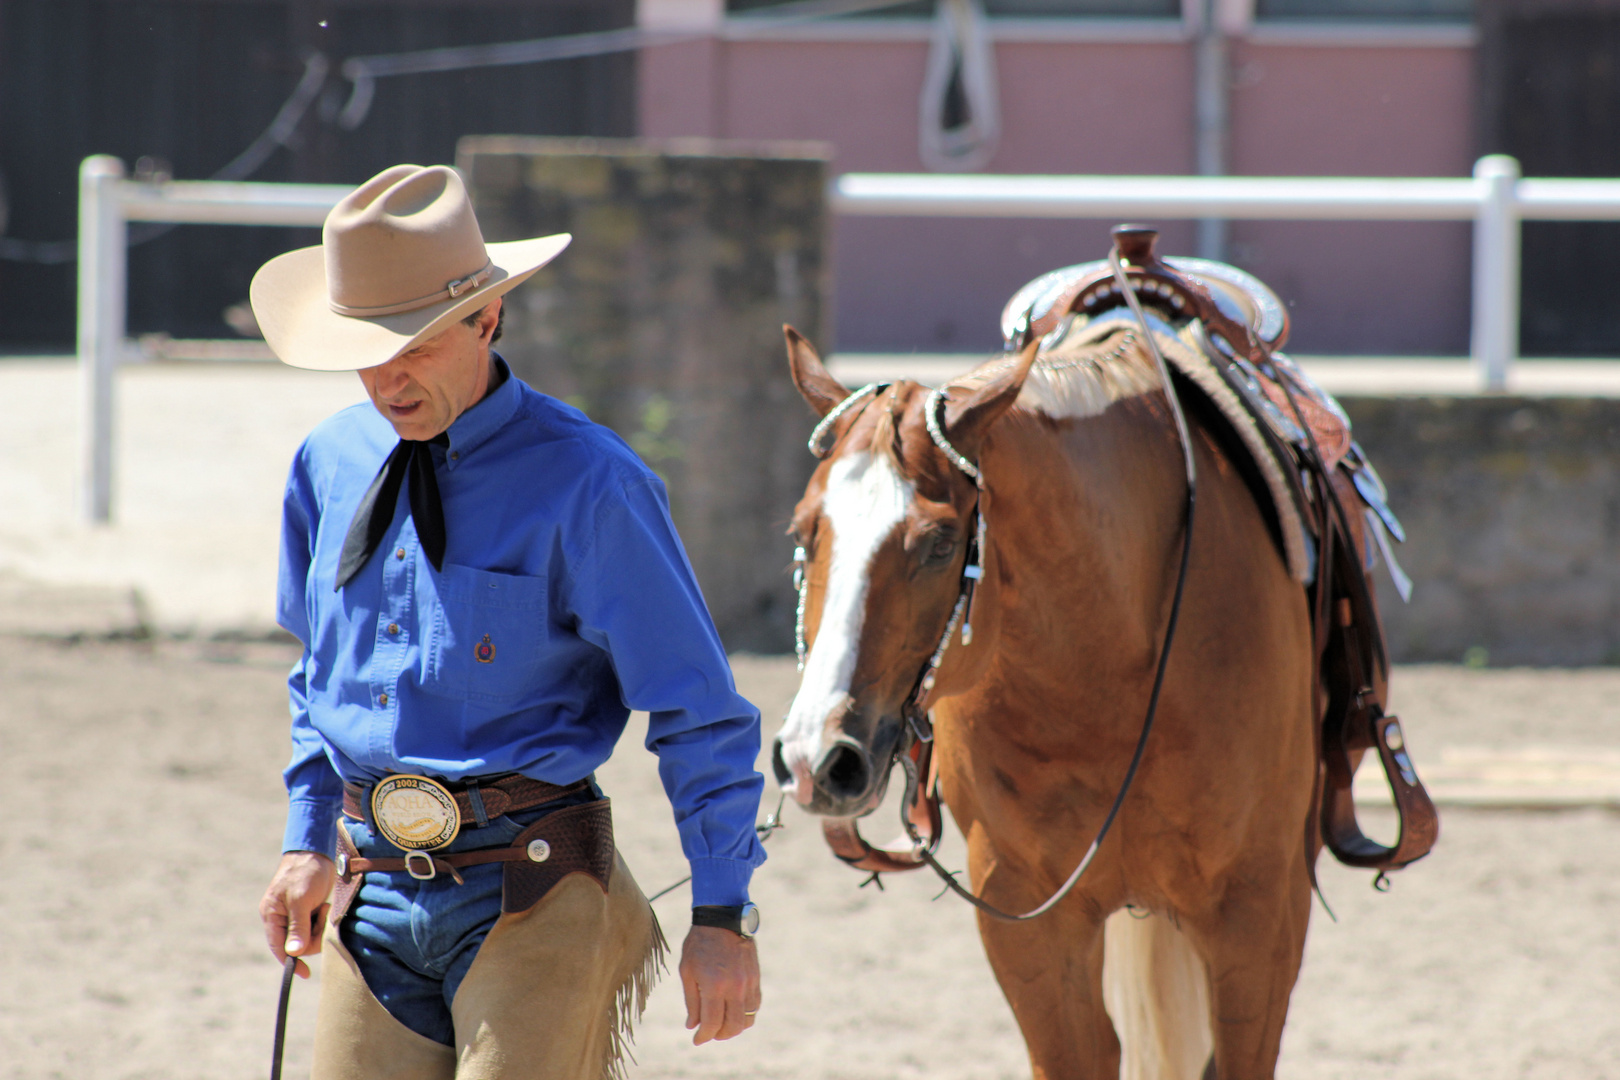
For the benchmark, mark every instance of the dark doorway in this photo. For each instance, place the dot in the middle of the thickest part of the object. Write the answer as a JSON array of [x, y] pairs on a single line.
[[1551, 75], [188, 84]]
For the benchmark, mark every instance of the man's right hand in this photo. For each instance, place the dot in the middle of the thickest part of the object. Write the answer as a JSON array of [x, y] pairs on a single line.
[[294, 906]]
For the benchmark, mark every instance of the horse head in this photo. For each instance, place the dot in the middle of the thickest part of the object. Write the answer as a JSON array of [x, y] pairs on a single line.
[[884, 526]]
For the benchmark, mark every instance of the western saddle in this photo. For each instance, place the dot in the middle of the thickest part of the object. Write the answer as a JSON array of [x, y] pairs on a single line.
[[1244, 327]]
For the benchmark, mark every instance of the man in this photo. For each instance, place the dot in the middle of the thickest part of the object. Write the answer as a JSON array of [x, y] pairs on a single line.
[[485, 584]]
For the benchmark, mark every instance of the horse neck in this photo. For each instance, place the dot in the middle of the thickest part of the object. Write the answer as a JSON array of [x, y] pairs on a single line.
[[1084, 520]]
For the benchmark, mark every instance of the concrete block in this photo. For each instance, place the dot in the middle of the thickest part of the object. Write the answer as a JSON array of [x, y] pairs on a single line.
[[1512, 511], [664, 320]]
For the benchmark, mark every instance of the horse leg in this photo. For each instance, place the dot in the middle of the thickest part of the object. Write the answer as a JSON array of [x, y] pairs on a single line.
[[1252, 944], [1051, 971]]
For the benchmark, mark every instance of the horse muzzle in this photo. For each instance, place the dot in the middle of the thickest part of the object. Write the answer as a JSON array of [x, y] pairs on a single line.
[[844, 781]]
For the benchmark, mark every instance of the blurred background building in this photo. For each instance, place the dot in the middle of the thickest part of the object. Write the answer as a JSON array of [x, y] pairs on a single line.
[[1290, 87]]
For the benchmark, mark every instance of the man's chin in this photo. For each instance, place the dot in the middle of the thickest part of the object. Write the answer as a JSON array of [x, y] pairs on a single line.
[[414, 426]]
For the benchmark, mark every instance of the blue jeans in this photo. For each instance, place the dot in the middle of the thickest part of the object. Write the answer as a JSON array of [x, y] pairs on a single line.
[[414, 940]]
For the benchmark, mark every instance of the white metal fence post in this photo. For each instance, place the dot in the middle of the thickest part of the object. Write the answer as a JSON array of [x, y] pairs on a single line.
[[103, 265], [1496, 270]]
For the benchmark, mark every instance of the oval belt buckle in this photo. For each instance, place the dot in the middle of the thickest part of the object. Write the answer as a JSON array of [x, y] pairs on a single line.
[[418, 815]]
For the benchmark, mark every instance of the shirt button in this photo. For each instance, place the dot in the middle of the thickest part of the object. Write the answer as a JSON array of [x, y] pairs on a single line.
[[382, 699], [393, 628], [455, 455], [399, 553]]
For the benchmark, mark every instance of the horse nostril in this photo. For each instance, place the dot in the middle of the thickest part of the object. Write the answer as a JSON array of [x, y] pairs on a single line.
[[784, 775], [844, 772]]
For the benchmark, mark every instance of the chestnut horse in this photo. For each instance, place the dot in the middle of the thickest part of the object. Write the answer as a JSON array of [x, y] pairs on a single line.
[[1037, 717]]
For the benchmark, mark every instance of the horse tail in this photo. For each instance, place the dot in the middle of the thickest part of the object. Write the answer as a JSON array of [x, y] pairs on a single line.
[[1157, 993]]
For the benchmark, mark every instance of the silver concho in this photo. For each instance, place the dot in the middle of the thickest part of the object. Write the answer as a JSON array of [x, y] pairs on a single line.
[[415, 813]]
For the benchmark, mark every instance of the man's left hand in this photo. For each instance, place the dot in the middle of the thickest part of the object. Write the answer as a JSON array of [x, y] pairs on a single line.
[[720, 975]]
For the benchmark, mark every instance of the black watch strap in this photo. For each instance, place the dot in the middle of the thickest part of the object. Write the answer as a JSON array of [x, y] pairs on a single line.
[[718, 915], [742, 919]]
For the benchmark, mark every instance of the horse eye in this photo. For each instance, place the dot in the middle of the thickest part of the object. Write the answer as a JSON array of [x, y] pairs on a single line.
[[940, 548]]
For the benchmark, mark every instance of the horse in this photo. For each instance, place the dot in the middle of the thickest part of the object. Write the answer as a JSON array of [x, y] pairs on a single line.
[[1176, 953]]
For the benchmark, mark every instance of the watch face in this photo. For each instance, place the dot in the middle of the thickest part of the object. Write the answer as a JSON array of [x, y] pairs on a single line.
[[750, 920]]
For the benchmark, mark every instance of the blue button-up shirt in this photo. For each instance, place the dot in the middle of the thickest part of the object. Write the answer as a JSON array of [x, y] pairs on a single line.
[[565, 601]]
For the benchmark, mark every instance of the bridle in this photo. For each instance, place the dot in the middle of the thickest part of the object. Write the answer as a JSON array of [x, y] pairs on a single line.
[[920, 811]]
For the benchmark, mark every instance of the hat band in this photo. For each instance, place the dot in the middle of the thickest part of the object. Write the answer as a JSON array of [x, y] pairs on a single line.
[[452, 290]]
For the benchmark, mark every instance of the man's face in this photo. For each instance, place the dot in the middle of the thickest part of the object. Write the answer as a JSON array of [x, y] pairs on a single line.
[[421, 392]]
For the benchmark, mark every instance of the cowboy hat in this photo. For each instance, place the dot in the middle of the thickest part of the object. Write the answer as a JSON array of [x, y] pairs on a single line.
[[401, 259]]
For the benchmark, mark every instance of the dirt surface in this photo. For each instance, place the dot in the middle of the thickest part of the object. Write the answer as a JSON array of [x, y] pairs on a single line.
[[145, 811]]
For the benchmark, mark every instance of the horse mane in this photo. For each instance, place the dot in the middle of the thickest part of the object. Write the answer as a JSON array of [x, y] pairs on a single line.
[[1082, 375]]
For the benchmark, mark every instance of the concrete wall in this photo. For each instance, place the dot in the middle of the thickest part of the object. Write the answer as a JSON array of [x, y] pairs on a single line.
[[1512, 510], [664, 320], [1301, 105]]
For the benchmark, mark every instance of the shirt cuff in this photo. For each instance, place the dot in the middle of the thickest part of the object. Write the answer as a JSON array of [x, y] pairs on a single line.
[[723, 882], [311, 826]]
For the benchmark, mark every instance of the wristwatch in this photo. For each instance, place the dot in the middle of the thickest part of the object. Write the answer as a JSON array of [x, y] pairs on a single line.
[[742, 921]]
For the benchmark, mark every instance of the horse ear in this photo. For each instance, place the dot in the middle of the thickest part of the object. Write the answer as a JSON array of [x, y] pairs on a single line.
[[967, 419], [816, 385]]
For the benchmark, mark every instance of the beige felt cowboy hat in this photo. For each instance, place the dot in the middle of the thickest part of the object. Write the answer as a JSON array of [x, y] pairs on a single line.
[[401, 259]]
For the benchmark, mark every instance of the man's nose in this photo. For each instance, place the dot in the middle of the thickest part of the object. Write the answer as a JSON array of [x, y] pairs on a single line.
[[389, 380]]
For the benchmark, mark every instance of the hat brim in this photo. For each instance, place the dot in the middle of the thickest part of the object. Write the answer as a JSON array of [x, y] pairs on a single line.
[[290, 302]]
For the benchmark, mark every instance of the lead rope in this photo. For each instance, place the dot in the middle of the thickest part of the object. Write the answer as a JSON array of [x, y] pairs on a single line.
[[927, 855], [287, 972]]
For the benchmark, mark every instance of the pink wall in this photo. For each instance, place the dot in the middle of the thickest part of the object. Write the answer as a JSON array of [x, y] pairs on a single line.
[[938, 284]]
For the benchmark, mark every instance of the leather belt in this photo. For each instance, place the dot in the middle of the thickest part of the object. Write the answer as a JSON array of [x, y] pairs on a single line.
[[423, 867], [501, 795]]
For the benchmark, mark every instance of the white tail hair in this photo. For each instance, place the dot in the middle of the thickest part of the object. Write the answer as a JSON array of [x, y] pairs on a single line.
[[1156, 991]]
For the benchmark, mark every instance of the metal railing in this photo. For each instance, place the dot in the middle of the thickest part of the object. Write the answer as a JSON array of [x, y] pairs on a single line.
[[1496, 199], [107, 203]]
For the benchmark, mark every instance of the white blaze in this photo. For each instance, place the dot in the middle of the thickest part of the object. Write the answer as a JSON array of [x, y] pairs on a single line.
[[865, 500]]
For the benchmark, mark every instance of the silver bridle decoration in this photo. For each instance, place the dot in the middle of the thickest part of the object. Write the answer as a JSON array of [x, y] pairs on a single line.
[[838, 410], [931, 418], [799, 586], [974, 571]]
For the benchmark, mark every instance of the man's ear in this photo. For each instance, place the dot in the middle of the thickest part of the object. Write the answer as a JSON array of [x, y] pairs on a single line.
[[816, 385], [968, 418], [488, 319]]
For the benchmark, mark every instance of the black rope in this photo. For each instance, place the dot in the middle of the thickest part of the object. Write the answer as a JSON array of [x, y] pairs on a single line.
[[287, 973]]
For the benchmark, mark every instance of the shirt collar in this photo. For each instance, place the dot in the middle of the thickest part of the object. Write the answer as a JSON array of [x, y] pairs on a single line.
[[475, 426]]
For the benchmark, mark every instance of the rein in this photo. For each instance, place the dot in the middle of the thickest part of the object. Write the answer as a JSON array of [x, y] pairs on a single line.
[[920, 807]]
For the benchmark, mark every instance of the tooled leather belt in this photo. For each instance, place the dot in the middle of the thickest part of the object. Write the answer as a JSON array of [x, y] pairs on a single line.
[[574, 839], [479, 802]]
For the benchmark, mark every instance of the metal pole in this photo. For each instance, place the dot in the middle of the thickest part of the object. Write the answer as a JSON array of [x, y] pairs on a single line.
[[1211, 106], [102, 267], [1496, 271]]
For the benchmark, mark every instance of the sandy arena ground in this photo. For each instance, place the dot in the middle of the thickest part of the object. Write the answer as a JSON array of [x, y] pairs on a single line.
[[145, 811]]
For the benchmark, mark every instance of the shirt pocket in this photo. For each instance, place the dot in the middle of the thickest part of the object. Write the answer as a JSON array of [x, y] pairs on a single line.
[[489, 634]]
